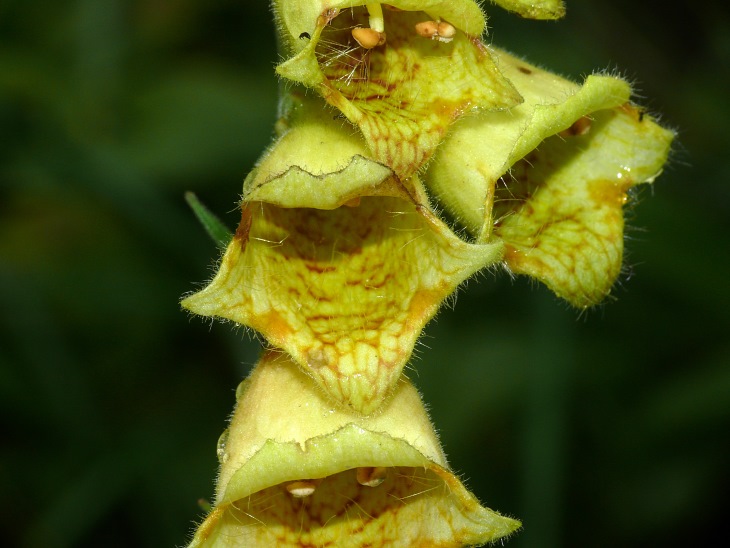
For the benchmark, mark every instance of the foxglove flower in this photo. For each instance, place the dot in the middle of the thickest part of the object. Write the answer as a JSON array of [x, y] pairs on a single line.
[[298, 470], [550, 177], [402, 94], [336, 260]]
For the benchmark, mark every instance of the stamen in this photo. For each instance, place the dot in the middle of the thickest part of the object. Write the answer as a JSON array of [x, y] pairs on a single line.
[[374, 35], [447, 31], [376, 16], [436, 30], [371, 476], [368, 38], [427, 29], [302, 488]]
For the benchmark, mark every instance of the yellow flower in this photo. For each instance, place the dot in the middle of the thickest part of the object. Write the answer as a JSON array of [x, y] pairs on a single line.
[[336, 261], [341, 263], [550, 177], [297, 470], [540, 163], [405, 88]]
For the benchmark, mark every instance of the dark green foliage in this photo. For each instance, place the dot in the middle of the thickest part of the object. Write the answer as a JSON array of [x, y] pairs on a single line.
[[608, 429]]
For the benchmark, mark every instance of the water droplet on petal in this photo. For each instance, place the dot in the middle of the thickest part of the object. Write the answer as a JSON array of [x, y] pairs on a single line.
[[221, 449], [302, 488], [240, 389]]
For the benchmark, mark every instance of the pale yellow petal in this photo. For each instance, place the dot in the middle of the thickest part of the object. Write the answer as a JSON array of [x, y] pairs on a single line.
[[319, 161]]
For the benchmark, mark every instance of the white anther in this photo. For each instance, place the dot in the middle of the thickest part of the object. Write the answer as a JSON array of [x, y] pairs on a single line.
[[446, 31], [371, 476], [302, 488]]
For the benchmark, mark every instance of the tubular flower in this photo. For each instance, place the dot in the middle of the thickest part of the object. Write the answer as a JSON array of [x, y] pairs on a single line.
[[297, 470], [345, 290], [550, 177], [427, 69]]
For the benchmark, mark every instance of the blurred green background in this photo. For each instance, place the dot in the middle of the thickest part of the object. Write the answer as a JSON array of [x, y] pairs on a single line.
[[610, 428]]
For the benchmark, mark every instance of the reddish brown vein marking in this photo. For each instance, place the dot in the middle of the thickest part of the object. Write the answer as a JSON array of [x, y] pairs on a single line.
[[244, 227]]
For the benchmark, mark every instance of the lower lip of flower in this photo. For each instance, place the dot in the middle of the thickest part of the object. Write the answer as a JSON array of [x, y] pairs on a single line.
[[406, 506]]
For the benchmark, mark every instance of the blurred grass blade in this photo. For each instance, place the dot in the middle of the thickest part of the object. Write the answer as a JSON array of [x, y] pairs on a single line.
[[212, 224], [205, 505]]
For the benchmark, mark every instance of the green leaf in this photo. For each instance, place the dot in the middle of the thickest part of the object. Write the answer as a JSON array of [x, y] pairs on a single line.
[[211, 223]]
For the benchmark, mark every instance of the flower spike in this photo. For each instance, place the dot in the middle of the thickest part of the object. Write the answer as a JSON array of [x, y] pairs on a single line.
[[391, 114]]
